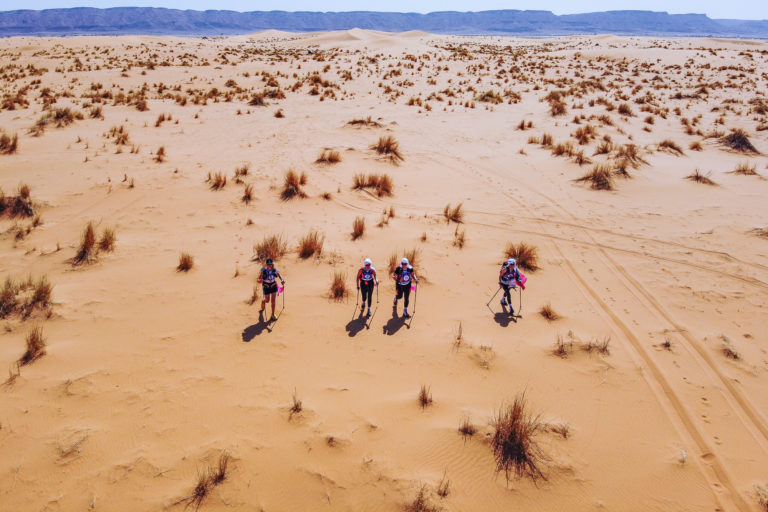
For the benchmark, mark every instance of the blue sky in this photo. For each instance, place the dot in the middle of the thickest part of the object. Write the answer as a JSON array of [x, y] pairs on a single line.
[[741, 9]]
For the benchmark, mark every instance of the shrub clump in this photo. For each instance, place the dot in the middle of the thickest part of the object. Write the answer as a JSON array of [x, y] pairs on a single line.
[[311, 244], [272, 246], [599, 178], [738, 140], [526, 256], [292, 185], [514, 445], [388, 147]]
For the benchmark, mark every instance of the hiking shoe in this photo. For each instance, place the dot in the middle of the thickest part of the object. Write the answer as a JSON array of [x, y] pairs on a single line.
[[362, 308], [511, 311], [503, 302], [369, 311], [405, 314], [273, 318]]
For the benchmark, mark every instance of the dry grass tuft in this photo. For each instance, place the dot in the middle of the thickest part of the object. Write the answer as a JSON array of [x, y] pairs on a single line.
[[311, 244], [186, 262], [86, 253], [745, 169], [358, 228], [218, 181], [338, 290], [466, 428], [738, 140], [388, 147], [247, 193], [700, 178], [381, 183], [696, 146], [729, 351], [514, 446], [219, 473], [364, 122], [272, 246], [160, 155], [421, 503], [296, 405], [670, 146], [455, 214], [35, 346], [562, 429], [329, 156], [292, 185], [547, 312], [599, 178], [526, 256], [8, 144], [561, 348], [425, 396], [595, 345], [107, 240]]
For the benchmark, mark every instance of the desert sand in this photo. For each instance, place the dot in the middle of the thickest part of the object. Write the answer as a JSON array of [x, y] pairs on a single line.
[[654, 400]]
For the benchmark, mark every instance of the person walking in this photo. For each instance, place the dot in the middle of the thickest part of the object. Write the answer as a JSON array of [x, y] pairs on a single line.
[[267, 278], [508, 278], [366, 280], [403, 275]]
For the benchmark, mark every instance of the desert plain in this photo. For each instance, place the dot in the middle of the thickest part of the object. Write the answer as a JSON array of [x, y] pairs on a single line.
[[145, 180]]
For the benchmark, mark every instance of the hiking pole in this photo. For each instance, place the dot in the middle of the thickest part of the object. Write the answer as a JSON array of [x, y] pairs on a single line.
[[377, 292], [520, 309], [494, 296]]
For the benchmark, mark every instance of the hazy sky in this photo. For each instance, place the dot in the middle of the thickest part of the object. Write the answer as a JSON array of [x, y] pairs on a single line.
[[742, 9]]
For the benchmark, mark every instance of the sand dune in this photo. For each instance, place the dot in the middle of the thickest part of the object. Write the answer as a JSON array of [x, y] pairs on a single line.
[[150, 374]]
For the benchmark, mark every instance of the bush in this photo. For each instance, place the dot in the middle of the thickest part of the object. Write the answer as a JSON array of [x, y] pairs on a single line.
[[600, 178], [87, 250], [745, 169], [358, 228], [35, 346], [526, 256], [738, 140], [328, 157], [388, 147], [292, 185], [186, 262], [8, 144], [311, 244], [513, 443], [272, 246], [671, 147], [697, 177], [455, 214], [107, 240], [547, 312], [338, 289]]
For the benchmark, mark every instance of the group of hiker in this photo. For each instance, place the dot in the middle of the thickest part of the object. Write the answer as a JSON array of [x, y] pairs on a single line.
[[405, 280]]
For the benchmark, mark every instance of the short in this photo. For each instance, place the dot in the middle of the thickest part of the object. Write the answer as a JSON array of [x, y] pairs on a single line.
[[269, 288]]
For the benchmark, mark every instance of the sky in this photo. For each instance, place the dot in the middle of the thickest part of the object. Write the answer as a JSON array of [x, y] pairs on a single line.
[[740, 9]]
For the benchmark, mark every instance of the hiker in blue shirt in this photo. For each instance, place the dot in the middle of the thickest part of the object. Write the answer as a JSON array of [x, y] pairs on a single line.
[[403, 275], [267, 278]]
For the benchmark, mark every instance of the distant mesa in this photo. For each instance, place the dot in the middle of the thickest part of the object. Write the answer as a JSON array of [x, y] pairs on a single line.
[[160, 21]]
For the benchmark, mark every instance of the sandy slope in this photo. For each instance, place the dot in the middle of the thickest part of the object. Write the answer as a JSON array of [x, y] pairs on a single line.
[[150, 373]]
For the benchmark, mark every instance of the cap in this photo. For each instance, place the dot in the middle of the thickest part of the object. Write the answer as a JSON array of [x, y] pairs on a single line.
[[511, 261], [404, 260], [367, 261], [270, 262]]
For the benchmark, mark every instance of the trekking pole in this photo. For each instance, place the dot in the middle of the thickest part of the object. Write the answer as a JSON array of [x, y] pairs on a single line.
[[283, 296], [520, 309], [377, 293], [494, 296], [357, 297], [415, 296]]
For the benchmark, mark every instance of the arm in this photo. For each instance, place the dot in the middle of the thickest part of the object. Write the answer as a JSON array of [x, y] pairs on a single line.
[[357, 279], [375, 278], [282, 281]]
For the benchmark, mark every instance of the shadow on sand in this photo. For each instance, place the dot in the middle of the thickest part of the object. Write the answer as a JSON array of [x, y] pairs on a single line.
[[395, 323], [256, 329], [356, 325]]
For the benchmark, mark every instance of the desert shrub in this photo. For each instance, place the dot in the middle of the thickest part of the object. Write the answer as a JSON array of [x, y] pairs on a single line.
[[599, 178], [466, 428], [364, 122], [526, 256], [358, 228], [425, 396], [388, 147], [292, 185], [745, 169], [8, 300], [626, 110], [8, 144], [186, 262], [697, 177], [311, 244], [86, 252], [338, 290], [272, 246], [631, 153], [546, 140], [422, 502], [696, 146], [547, 312], [490, 97], [218, 181], [257, 100], [160, 155], [670, 146], [328, 156], [247, 193], [381, 183], [455, 214], [107, 240], [595, 345], [513, 442], [738, 140], [35, 346]]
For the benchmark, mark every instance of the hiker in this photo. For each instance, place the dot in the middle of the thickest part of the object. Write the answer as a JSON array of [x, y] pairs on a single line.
[[508, 278], [269, 285], [403, 275], [366, 280]]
